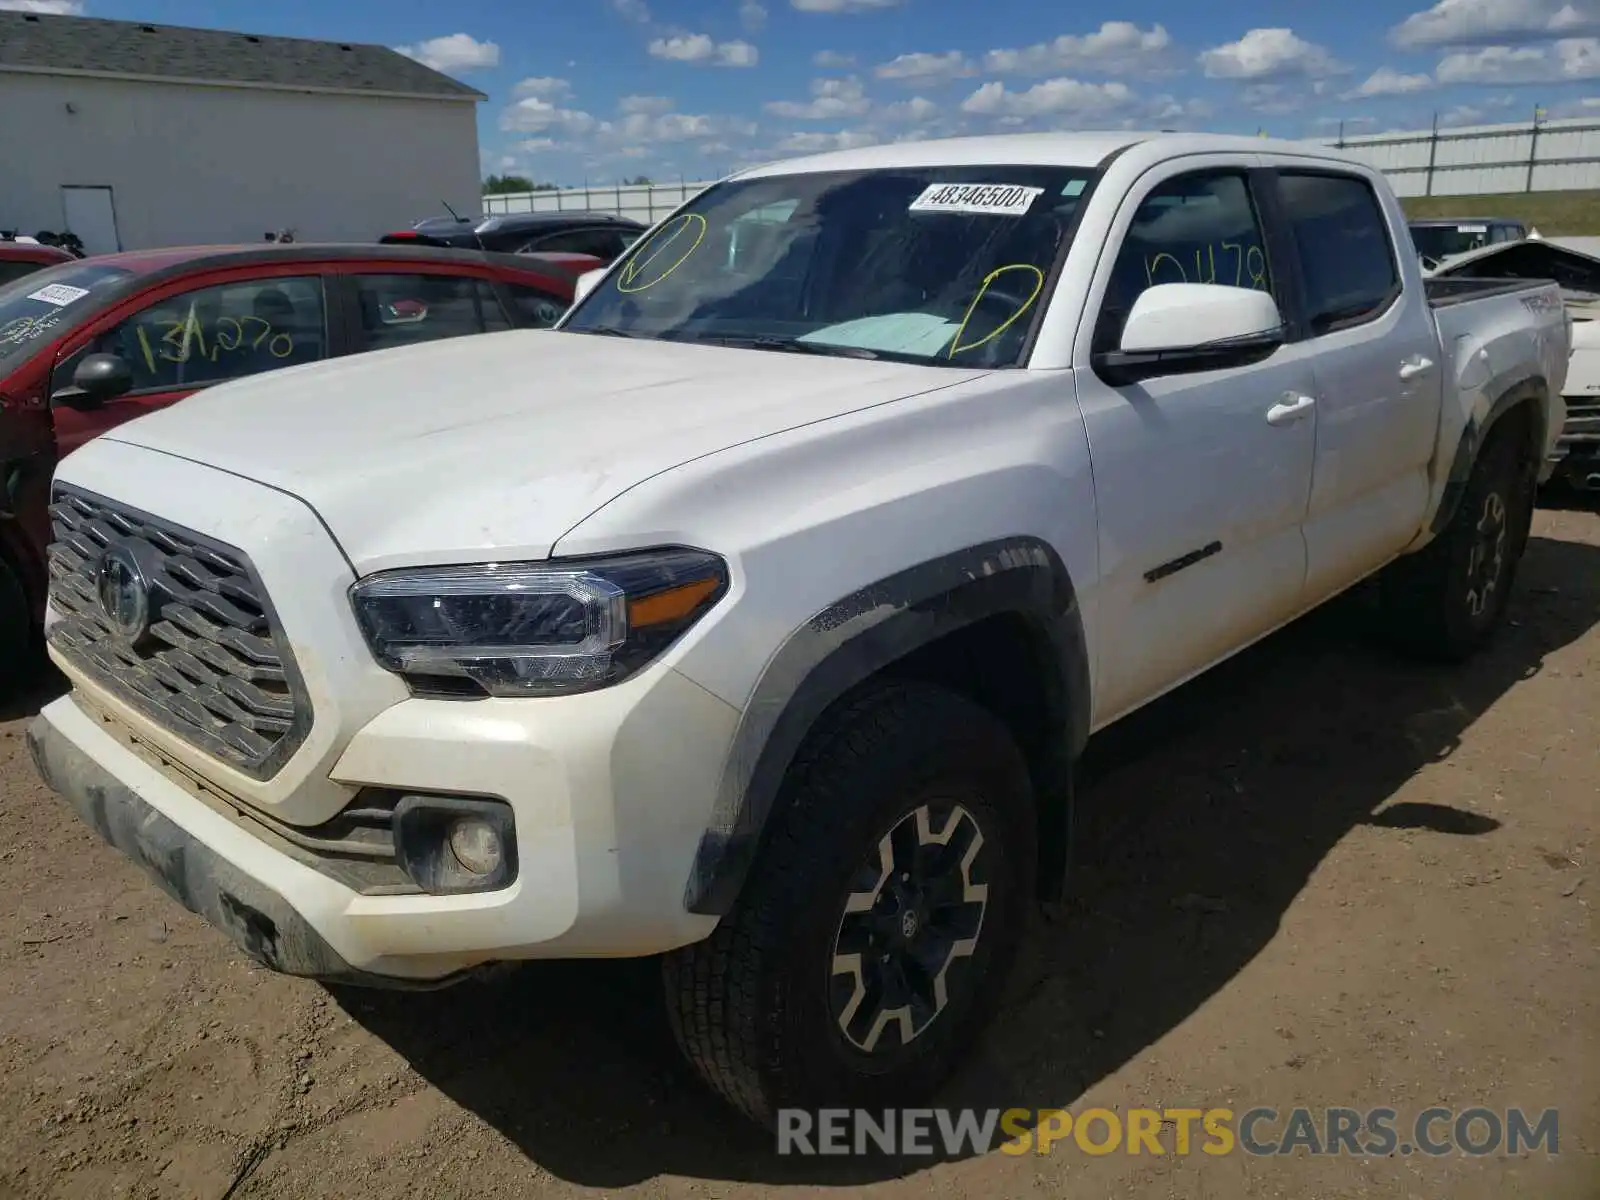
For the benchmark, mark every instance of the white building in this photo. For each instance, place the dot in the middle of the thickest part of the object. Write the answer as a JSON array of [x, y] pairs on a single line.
[[133, 135]]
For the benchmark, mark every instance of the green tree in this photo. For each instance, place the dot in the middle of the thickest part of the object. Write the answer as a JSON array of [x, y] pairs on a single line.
[[500, 185], [638, 181]]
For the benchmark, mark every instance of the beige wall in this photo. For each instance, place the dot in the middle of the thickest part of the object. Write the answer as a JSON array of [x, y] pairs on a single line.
[[193, 165]]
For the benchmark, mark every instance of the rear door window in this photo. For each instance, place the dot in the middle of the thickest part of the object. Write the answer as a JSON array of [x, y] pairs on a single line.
[[601, 243], [1347, 262], [537, 308], [403, 309]]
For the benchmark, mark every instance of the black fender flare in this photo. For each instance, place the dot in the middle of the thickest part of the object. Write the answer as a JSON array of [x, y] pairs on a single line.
[[857, 637], [1509, 393]]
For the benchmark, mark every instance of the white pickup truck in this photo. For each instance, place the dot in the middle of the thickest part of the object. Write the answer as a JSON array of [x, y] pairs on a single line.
[[755, 617]]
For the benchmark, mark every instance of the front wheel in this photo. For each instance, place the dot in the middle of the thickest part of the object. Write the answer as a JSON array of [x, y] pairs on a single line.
[[874, 934]]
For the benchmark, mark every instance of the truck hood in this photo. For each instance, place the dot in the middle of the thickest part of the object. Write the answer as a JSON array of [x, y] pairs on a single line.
[[498, 444]]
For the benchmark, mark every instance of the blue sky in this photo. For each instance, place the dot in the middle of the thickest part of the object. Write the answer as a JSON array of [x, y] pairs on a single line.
[[601, 89]]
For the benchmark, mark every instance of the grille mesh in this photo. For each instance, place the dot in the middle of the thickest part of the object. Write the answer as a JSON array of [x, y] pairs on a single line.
[[213, 669]]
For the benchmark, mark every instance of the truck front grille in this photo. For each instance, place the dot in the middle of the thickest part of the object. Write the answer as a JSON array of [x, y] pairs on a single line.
[[1582, 430], [208, 663]]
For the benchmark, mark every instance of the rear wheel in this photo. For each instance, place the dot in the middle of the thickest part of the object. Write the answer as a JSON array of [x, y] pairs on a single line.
[[1446, 600], [873, 937]]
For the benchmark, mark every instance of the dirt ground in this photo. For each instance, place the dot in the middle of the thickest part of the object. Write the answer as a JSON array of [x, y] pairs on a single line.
[[1320, 876]]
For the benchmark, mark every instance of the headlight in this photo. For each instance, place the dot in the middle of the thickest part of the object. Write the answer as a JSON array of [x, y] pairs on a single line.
[[532, 629]]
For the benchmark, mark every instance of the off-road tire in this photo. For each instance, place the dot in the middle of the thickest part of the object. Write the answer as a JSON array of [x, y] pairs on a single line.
[[1441, 602], [750, 1004]]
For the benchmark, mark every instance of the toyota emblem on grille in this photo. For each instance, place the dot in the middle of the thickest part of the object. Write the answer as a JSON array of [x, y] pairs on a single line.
[[124, 592]]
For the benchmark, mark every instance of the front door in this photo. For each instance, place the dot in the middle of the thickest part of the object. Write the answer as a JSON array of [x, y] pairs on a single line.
[[182, 341], [91, 213], [1200, 494]]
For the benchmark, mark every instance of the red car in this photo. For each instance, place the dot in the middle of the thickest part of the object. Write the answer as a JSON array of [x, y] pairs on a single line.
[[90, 343], [24, 258]]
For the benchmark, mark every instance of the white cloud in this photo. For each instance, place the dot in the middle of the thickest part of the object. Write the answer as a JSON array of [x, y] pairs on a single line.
[[54, 8], [1475, 22], [1054, 97], [843, 6], [1268, 54], [1587, 106], [644, 104], [546, 87], [1564, 61], [1386, 81], [1169, 110], [636, 11], [1272, 99], [830, 100], [681, 127], [534, 115], [699, 49], [832, 60], [926, 68], [454, 52], [752, 16], [914, 110], [816, 143], [1116, 48]]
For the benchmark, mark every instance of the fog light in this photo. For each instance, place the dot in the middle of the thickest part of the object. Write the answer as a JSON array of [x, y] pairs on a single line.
[[476, 845], [452, 844]]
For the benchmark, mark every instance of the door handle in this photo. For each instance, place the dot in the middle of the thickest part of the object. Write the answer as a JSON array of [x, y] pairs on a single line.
[[1415, 367], [1293, 408]]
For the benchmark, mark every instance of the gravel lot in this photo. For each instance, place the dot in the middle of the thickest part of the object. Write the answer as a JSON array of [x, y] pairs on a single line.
[[1320, 876]]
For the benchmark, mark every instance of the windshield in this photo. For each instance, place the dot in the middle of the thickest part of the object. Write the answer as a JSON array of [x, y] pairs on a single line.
[[934, 265], [40, 307]]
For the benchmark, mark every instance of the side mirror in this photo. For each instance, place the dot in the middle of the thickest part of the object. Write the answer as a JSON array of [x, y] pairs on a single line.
[[586, 283], [96, 379], [1181, 328]]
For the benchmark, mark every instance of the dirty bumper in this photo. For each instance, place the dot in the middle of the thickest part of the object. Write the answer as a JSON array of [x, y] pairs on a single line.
[[263, 923]]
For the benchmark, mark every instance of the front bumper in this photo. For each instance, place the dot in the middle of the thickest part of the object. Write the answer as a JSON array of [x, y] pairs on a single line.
[[259, 920], [610, 792]]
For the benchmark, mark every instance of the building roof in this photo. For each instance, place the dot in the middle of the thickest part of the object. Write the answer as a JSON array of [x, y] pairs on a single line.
[[48, 44]]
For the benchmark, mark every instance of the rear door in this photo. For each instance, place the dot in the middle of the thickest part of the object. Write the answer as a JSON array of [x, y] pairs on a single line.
[[1374, 351], [403, 304], [191, 334]]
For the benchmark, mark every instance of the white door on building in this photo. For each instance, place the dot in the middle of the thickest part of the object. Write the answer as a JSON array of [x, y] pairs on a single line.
[[91, 213]]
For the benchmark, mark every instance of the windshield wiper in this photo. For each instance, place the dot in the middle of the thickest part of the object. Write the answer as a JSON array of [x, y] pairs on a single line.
[[791, 345], [607, 331]]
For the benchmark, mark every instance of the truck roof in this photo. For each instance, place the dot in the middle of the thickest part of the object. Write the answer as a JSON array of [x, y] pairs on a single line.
[[1066, 149]]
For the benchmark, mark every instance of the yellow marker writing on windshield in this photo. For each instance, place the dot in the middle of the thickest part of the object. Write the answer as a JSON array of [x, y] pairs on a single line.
[[645, 261], [1038, 286]]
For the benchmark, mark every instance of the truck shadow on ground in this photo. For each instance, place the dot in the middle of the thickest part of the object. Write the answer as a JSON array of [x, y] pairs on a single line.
[[1201, 820], [41, 684]]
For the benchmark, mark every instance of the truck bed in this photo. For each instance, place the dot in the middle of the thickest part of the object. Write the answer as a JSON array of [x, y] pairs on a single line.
[[1445, 290]]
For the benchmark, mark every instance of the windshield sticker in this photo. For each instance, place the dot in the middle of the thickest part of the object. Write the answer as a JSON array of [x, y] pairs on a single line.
[[59, 294], [1018, 304], [27, 329], [987, 199], [1074, 187], [662, 253], [1472, 229]]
